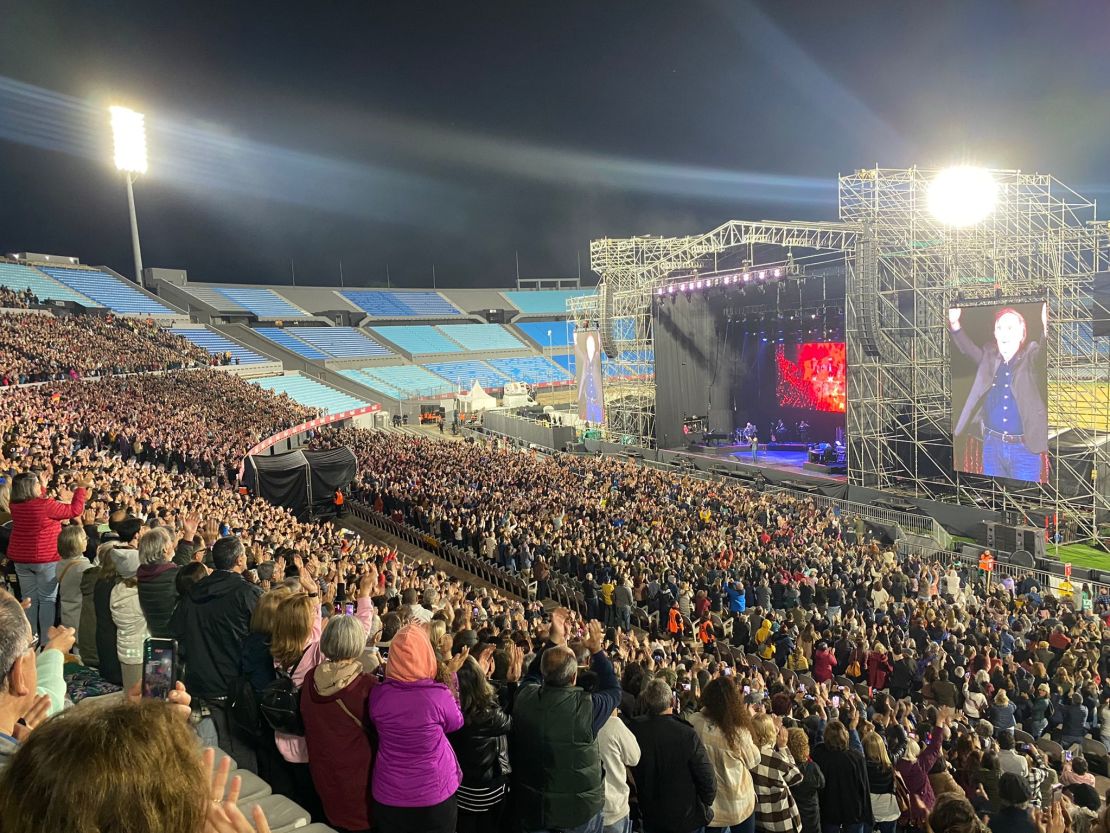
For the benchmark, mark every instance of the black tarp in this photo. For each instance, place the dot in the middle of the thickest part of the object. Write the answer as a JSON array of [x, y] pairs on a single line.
[[283, 480], [331, 468]]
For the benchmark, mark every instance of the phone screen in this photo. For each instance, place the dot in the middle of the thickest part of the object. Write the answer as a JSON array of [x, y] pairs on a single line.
[[159, 667], [836, 701], [747, 689], [349, 609]]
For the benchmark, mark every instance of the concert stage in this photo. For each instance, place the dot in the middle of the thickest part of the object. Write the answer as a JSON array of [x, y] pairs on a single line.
[[789, 459]]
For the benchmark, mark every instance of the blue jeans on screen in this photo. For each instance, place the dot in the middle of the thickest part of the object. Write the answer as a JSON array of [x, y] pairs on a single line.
[[39, 583], [746, 826], [622, 826], [1010, 460]]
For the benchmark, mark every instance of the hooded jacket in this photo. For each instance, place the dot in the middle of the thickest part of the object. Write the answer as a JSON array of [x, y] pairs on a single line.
[[210, 624]]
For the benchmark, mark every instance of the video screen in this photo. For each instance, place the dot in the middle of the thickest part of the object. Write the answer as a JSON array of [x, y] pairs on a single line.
[[999, 378], [812, 376], [587, 370]]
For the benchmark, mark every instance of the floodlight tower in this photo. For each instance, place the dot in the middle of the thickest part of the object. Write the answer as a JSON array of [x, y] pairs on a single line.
[[129, 137]]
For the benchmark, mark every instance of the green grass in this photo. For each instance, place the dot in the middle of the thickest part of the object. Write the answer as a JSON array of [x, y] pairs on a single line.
[[1081, 555]]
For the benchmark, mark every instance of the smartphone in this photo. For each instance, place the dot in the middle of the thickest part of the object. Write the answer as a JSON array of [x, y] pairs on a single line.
[[159, 667], [349, 609], [836, 701], [727, 670], [685, 686], [747, 689], [1067, 756]]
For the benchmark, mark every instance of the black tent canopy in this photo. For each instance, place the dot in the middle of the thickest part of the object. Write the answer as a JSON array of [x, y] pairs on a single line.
[[302, 481]]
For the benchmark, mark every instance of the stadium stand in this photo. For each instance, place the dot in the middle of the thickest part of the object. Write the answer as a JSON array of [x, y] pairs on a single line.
[[543, 301], [417, 339], [280, 337], [386, 304], [107, 291], [340, 342], [534, 370], [464, 373], [20, 277], [482, 337], [217, 345], [265, 303], [400, 381], [311, 393], [215, 299], [562, 332]]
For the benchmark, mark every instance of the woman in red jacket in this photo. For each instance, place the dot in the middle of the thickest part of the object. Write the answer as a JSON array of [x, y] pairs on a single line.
[[36, 522], [878, 667]]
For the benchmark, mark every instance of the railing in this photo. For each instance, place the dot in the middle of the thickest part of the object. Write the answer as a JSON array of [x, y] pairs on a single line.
[[1000, 570], [483, 569]]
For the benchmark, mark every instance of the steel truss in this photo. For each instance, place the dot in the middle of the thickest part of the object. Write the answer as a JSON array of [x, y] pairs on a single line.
[[1041, 242], [631, 269]]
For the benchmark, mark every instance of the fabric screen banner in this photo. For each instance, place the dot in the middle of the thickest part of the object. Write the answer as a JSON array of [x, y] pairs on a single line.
[[331, 469], [283, 480], [587, 372]]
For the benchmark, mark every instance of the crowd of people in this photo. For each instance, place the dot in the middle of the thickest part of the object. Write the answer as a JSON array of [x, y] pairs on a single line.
[[797, 675], [47, 348], [17, 298]]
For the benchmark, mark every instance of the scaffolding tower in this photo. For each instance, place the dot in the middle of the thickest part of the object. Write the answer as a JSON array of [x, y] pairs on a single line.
[[1041, 242]]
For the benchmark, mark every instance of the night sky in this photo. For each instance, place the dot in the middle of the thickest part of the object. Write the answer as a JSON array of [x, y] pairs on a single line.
[[462, 133]]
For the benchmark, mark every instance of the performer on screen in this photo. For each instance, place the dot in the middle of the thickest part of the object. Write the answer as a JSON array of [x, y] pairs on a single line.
[[1005, 406], [589, 386]]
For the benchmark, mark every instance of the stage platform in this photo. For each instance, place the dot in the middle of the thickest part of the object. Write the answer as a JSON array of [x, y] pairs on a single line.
[[786, 461]]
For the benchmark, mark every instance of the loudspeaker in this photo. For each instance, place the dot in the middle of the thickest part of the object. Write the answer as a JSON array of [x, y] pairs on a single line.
[[1023, 558], [986, 535]]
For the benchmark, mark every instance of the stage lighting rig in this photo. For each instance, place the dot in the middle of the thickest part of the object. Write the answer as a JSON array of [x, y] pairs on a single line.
[[962, 196]]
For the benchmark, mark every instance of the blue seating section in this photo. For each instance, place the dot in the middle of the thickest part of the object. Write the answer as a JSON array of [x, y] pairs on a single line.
[[265, 303], [418, 338], [543, 301], [401, 381], [464, 373], [562, 332], [311, 393], [217, 345], [534, 370], [107, 290], [385, 304], [18, 277], [565, 361], [301, 348], [483, 337], [340, 342]]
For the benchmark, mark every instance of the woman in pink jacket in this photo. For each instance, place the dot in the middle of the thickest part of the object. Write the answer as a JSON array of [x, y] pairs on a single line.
[[36, 522], [416, 773]]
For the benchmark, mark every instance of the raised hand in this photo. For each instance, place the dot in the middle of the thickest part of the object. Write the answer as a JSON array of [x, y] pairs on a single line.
[[456, 662], [35, 714]]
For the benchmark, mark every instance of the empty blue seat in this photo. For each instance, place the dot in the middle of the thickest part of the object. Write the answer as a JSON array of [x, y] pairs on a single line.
[[561, 332], [19, 277], [543, 301], [417, 338], [107, 290], [265, 303], [311, 393], [482, 336], [340, 342], [534, 370], [217, 345], [384, 303], [464, 374], [279, 336], [565, 360]]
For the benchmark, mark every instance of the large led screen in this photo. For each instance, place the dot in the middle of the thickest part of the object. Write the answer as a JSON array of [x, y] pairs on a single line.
[[816, 380], [587, 367], [1000, 390]]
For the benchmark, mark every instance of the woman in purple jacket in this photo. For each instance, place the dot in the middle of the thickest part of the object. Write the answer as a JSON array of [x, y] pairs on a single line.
[[416, 773]]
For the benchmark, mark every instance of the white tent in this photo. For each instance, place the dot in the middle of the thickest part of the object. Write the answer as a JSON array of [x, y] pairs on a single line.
[[476, 400]]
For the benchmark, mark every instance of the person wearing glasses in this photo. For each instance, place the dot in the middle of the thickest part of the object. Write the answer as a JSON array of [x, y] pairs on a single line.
[[31, 685]]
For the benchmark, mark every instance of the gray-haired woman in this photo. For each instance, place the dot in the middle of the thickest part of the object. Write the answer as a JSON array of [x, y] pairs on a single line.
[[334, 707]]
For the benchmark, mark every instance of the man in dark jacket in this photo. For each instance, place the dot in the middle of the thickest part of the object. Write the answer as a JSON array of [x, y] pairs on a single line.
[[210, 624], [157, 577], [557, 774], [675, 781]]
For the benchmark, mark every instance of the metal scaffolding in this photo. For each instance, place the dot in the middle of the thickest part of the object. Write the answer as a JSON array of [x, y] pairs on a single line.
[[904, 270], [1039, 243]]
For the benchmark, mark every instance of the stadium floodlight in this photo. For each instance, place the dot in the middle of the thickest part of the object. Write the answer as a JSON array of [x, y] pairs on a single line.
[[129, 139], [962, 195]]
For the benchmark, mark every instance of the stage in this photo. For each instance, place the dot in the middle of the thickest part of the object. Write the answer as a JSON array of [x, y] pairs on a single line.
[[787, 461]]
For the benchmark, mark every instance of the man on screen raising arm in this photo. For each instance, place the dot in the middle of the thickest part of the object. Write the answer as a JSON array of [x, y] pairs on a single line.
[[1006, 402]]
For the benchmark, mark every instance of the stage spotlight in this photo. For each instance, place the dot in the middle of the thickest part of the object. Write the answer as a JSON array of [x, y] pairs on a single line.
[[778, 273], [763, 276], [670, 289], [747, 277], [962, 196]]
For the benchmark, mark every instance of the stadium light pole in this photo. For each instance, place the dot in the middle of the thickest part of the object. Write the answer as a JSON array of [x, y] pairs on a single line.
[[129, 139]]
